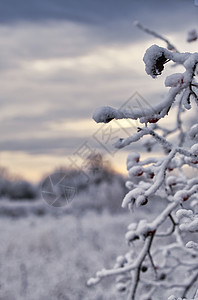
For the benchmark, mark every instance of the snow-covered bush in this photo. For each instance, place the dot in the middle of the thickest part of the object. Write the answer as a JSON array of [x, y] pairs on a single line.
[[97, 177], [16, 189], [163, 255]]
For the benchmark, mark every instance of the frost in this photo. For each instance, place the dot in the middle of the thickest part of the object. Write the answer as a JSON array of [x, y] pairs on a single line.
[[136, 171], [189, 220], [173, 180], [186, 98], [132, 226], [130, 235], [132, 158], [141, 200], [93, 281], [191, 226], [182, 213], [191, 61], [154, 58], [132, 196], [120, 260], [143, 227], [181, 196], [192, 245], [104, 114], [129, 185], [194, 149], [174, 79]]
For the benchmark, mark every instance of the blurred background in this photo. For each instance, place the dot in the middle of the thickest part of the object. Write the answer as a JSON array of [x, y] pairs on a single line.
[[59, 61], [62, 59]]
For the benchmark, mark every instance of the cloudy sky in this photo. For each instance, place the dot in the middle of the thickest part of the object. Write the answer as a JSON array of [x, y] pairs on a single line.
[[60, 59]]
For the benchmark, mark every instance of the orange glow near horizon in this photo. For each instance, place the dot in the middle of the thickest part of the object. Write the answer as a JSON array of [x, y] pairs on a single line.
[[35, 167]]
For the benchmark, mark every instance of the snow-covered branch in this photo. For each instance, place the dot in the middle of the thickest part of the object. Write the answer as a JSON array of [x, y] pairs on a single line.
[[154, 59], [165, 250]]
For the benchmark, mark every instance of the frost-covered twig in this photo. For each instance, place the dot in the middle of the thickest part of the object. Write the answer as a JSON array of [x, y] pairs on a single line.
[[150, 178], [155, 58], [106, 114], [170, 46]]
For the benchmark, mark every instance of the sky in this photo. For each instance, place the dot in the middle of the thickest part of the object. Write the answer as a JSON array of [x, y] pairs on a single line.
[[61, 59]]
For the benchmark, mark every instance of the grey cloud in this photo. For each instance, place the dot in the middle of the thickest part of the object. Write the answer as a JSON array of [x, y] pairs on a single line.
[[51, 145], [112, 24], [84, 11], [22, 126], [109, 19], [62, 95]]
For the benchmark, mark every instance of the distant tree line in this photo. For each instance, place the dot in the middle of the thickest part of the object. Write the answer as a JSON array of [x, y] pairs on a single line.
[[15, 188], [98, 186]]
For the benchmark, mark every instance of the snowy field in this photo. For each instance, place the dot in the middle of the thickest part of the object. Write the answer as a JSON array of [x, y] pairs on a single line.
[[52, 257], [49, 254]]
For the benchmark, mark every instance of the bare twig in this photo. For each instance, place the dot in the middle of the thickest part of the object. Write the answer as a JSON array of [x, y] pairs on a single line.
[[170, 46]]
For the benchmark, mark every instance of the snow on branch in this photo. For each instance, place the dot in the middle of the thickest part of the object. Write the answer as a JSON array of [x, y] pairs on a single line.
[[154, 59], [167, 255]]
